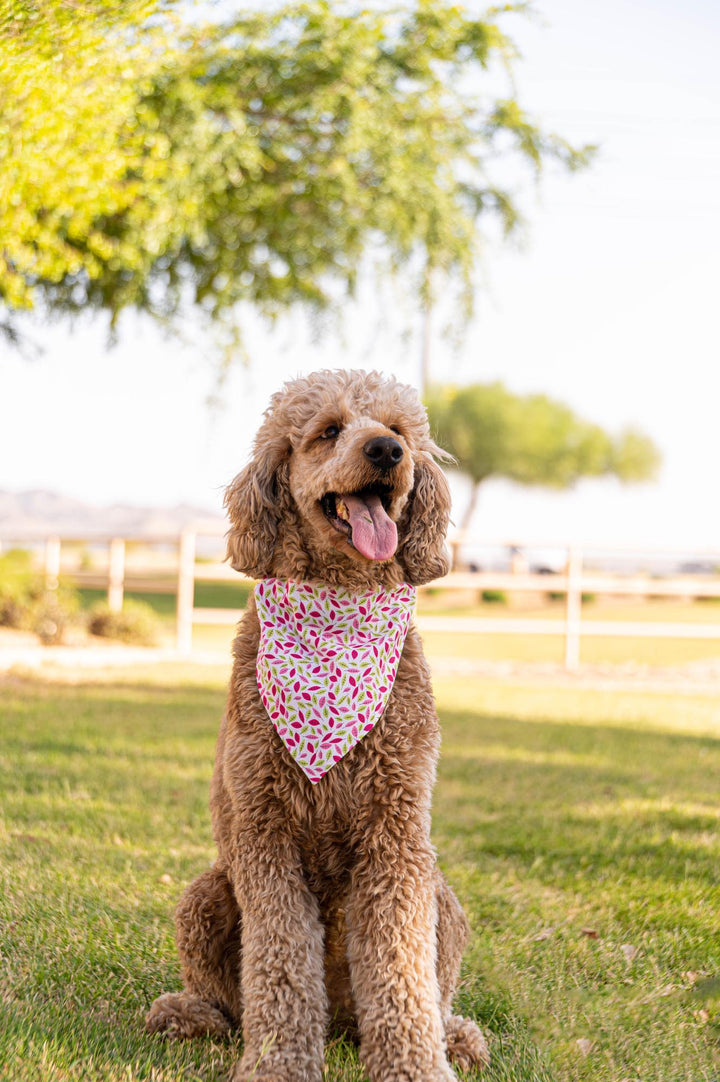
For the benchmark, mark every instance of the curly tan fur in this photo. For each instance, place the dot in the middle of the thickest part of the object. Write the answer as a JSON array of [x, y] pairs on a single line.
[[326, 903]]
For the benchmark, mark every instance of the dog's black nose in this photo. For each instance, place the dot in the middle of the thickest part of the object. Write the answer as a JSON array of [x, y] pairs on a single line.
[[383, 451]]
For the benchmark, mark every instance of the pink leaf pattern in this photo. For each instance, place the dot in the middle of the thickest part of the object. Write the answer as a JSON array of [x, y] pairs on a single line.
[[326, 664]]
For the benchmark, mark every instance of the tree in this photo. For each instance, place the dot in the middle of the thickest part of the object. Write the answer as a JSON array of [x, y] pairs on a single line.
[[531, 439], [254, 160], [69, 82]]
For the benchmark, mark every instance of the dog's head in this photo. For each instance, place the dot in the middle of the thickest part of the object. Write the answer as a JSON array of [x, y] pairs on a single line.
[[342, 485]]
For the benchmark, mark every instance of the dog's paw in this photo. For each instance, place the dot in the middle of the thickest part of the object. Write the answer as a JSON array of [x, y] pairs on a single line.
[[466, 1045], [442, 1074], [275, 1068], [401, 1071], [182, 1015], [242, 1074]]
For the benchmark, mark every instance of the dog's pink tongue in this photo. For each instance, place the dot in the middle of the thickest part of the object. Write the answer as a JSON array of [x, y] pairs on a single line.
[[374, 533]]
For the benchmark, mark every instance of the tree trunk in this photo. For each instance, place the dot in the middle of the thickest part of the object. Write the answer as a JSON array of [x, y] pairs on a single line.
[[459, 540], [425, 351], [426, 299]]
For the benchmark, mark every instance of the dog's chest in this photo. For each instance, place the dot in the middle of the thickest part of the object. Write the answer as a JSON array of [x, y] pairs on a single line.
[[327, 863]]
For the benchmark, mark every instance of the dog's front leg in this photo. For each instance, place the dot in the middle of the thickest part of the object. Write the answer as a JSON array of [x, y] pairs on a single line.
[[392, 919], [285, 1004]]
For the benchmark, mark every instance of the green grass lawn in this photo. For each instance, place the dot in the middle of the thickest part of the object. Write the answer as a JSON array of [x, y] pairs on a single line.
[[579, 827]]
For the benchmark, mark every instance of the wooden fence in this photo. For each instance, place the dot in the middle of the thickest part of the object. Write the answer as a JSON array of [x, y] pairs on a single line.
[[572, 582]]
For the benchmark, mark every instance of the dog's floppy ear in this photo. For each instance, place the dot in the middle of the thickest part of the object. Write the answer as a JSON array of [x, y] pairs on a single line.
[[256, 501], [424, 524]]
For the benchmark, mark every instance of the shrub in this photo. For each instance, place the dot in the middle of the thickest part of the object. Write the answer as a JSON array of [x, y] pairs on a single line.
[[560, 595], [26, 604], [21, 587], [51, 619], [136, 623], [494, 597]]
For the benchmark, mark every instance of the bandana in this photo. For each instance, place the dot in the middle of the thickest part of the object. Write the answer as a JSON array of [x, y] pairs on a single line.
[[326, 664]]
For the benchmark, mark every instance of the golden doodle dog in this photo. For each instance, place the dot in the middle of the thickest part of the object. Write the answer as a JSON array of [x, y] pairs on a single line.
[[325, 904]]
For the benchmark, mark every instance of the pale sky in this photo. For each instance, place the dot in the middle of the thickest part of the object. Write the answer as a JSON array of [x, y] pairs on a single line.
[[611, 304]]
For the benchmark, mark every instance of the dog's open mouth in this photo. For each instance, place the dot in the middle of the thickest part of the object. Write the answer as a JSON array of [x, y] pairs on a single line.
[[363, 518]]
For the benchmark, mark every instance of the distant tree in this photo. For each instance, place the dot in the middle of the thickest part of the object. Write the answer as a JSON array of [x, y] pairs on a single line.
[[531, 439], [154, 164]]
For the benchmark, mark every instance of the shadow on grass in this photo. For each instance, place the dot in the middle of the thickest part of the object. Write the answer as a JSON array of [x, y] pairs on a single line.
[[567, 804]]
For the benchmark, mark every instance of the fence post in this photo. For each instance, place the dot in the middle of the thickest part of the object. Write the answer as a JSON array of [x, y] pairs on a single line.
[[185, 591], [116, 574], [573, 607], [52, 563]]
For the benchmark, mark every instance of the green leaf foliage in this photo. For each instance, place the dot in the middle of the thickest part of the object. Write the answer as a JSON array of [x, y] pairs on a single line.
[[532, 439], [151, 163], [634, 456], [70, 80], [27, 604]]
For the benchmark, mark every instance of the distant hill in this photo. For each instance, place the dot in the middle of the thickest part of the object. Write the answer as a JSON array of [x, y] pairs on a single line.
[[34, 514]]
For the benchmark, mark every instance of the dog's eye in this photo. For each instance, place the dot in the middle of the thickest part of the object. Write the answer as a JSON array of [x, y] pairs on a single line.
[[395, 429], [330, 433]]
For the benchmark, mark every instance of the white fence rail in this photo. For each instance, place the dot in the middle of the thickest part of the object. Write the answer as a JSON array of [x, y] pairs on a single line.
[[572, 582]]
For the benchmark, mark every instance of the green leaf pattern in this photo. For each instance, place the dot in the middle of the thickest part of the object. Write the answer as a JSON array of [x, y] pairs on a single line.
[[326, 664]]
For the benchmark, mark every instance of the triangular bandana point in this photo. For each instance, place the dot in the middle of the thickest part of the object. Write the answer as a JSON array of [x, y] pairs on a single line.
[[326, 664]]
